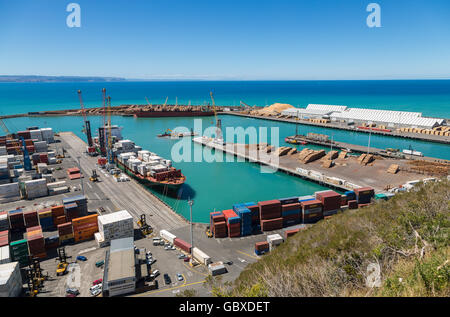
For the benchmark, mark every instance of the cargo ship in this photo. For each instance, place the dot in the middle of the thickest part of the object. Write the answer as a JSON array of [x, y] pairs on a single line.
[[146, 167], [175, 113]]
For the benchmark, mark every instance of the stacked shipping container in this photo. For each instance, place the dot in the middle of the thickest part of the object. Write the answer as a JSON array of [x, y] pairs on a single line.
[[233, 223], [270, 215], [36, 242], [84, 228], [65, 232], [331, 202]]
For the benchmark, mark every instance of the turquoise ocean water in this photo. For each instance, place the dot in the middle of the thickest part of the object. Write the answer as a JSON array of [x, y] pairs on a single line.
[[219, 185]]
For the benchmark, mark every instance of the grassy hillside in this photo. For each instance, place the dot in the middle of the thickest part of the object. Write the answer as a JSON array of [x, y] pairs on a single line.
[[407, 236]]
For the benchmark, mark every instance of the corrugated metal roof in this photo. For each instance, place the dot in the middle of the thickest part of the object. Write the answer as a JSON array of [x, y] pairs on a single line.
[[122, 244], [326, 107]]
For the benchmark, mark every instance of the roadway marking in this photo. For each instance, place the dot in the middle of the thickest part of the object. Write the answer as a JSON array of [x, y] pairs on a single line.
[[89, 185], [193, 270], [251, 256], [87, 250], [98, 196]]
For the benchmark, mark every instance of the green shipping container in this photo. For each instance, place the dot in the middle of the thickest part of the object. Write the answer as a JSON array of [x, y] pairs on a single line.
[[381, 196]]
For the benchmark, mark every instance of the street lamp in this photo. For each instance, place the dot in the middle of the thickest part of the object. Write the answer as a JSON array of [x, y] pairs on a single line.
[[190, 203]]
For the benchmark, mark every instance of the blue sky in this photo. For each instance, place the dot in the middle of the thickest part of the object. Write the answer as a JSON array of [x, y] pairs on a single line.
[[227, 39]]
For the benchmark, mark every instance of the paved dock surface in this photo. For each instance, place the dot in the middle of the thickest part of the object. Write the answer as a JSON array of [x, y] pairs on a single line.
[[129, 196], [340, 126], [349, 170]]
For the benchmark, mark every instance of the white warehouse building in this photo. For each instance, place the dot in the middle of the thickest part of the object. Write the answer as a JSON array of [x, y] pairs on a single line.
[[388, 118]]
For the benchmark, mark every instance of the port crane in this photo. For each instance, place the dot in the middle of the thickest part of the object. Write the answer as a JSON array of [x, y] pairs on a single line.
[[109, 134], [21, 143], [87, 123]]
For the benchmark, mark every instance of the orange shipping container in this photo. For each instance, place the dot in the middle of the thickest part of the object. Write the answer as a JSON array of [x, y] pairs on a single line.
[[57, 211], [84, 220], [86, 227]]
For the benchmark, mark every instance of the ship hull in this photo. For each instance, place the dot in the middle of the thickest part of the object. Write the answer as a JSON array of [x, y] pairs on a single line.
[[146, 181], [162, 114]]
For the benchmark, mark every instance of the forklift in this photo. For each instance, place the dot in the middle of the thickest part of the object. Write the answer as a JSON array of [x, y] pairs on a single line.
[[61, 268], [145, 228], [208, 232], [35, 278], [94, 176]]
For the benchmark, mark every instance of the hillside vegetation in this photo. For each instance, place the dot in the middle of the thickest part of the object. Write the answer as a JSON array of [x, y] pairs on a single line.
[[407, 236]]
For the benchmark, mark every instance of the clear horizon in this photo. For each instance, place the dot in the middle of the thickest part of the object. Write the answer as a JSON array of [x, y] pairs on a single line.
[[228, 40]]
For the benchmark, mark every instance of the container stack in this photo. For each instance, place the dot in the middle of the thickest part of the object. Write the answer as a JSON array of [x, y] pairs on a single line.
[[270, 215], [291, 213], [84, 228], [8, 192], [51, 242], [40, 146], [10, 280], [261, 247], [218, 224], [36, 134], [331, 202], [72, 211], [45, 219], [364, 195], [19, 251], [183, 245], [16, 219], [36, 188], [233, 223], [58, 215], [4, 222], [36, 242], [65, 233], [245, 216], [47, 135], [4, 238], [254, 209], [311, 211], [31, 218], [81, 202], [117, 225]]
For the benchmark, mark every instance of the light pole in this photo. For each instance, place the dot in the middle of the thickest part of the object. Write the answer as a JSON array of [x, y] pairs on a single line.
[[81, 178], [191, 202]]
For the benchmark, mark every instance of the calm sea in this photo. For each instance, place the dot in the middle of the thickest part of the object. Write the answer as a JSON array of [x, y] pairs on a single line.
[[216, 186]]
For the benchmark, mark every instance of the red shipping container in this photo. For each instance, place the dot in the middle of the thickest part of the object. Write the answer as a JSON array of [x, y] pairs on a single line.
[[291, 218], [218, 218], [31, 218], [229, 214], [330, 200], [271, 224], [290, 233], [4, 238], [262, 246], [57, 211], [352, 204], [311, 204], [295, 206], [183, 245], [65, 228]]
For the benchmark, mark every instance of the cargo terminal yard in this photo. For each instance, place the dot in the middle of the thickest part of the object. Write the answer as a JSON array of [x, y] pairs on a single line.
[[77, 220]]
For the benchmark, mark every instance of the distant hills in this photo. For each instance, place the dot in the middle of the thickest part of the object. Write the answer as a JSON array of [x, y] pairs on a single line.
[[54, 79]]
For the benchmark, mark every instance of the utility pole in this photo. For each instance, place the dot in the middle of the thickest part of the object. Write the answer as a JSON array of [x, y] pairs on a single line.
[[81, 178], [191, 202]]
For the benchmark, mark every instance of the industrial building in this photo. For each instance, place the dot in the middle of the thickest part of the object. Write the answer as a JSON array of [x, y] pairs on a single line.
[[345, 114], [119, 277]]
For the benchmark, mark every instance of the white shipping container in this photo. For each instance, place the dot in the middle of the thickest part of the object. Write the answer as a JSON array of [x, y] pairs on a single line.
[[10, 280], [217, 268], [275, 239], [166, 235], [9, 190], [5, 255], [201, 256]]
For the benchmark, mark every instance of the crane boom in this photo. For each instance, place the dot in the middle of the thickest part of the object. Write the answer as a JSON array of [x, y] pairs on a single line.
[[109, 150], [87, 123], [218, 121]]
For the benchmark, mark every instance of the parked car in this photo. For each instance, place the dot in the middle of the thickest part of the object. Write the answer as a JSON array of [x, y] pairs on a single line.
[[81, 258], [167, 279], [181, 256], [186, 259], [96, 292], [173, 248], [96, 287], [71, 295], [73, 291], [154, 274], [99, 263], [180, 277], [229, 262], [97, 281]]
